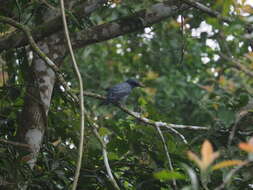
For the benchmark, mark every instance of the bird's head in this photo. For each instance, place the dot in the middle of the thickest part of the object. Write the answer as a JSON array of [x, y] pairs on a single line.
[[134, 83]]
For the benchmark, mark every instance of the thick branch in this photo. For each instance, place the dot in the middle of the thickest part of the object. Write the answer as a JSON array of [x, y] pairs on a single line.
[[55, 25], [122, 26], [36, 49], [139, 20]]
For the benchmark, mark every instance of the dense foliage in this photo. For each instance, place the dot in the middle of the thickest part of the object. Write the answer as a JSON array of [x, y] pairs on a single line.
[[197, 72]]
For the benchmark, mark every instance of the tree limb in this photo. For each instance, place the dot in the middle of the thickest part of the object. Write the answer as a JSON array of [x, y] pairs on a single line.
[[237, 64], [207, 10], [36, 49], [144, 119], [106, 162], [135, 22], [167, 154], [16, 143], [18, 39], [141, 19]]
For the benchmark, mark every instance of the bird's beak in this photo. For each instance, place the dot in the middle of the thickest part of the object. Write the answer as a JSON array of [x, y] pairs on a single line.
[[141, 85]]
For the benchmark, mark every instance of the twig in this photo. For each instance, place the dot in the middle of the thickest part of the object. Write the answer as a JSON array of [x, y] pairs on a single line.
[[230, 175], [239, 116], [16, 143], [207, 10], [80, 152], [106, 162], [178, 133], [167, 154], [237, 64], [49, 5]]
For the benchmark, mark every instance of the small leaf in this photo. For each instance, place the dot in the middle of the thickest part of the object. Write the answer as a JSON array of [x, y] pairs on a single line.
[[208, 156], [227, 163], [168, 175], [57, 142], [151, 75], [246, 147], [104, 131], [192, 156]]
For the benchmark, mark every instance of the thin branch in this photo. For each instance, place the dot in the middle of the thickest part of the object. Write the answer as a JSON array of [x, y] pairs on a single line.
[[167, 154], [239, 116], [237, 64], [203, 8], [230, 175], [106, 162], [207, 10], [80, 80], [178, 133], [144, 119], [16, 143]]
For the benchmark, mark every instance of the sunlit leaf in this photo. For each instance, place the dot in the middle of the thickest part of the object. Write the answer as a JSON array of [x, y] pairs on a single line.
[[168, 175], [207, 156], [151, 75], [246, 147], [57, 142], [227, 163], [104, 131]]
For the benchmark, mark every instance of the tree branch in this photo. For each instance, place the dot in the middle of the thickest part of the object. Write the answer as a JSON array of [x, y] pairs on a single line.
[[167, 154], [230, 175], [106, 162], [237, 64], [16, 143], [137, 21], [125, 25], [16, 39], [41, 54], [207, 10], [144, 119]]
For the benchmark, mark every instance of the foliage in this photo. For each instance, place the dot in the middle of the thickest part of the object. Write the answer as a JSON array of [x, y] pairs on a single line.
[[188, 81]]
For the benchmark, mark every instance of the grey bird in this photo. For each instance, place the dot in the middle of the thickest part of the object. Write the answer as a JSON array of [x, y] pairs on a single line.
[[120, 91]]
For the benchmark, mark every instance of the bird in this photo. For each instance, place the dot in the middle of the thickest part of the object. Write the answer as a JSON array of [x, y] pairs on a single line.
[[120, 91]]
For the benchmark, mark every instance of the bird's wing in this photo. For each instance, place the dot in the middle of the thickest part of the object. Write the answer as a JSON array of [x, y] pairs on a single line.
[[119, 91]]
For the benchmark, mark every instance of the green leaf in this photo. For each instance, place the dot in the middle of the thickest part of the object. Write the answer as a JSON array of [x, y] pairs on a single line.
[[168, 175], [104, 131]]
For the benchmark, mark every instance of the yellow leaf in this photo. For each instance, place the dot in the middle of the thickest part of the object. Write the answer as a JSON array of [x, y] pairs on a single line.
[[222, 80], [227, 163], [192, 156], [246, 147], [151, 91], [208, 156], [215, 106], [115, 1], [247, 9], [151, 75], [208, 88], [55, 143]]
